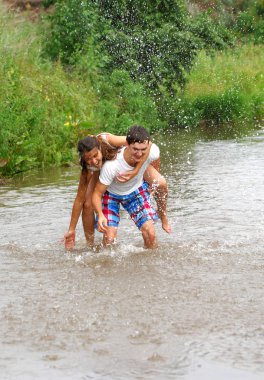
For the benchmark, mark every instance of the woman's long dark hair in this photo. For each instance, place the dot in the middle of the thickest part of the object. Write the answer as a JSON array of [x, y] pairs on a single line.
[[86, 145]]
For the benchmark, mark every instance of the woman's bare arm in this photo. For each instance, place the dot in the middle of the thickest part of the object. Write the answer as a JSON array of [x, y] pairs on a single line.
[[69, 237], [116, 141], [156, 164], [124, 177]]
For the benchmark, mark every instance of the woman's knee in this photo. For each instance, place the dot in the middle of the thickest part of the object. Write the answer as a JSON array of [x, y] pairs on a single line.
[[162, 183], [159, 186], [87, 206]]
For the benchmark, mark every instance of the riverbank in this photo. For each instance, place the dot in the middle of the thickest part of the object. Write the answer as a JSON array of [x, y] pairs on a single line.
[[45, 109]]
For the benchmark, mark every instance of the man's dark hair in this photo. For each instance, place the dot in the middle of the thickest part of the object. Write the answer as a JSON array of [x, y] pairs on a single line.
[[137, 134]]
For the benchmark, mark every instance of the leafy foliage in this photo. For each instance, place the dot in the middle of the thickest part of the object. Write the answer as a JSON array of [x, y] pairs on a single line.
[[70, 27], [48, 3], [155, 42], [115, 64], [124, 103], [220, 108], [250, 22]]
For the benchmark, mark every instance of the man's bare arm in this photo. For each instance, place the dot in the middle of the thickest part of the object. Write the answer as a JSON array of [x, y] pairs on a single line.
[[97, 205]]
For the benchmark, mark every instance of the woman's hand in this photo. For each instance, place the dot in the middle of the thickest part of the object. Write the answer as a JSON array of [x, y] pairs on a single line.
[[126, 176], [69, 239]]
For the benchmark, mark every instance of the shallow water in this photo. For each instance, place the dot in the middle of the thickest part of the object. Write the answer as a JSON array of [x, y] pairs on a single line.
[[191, 309]]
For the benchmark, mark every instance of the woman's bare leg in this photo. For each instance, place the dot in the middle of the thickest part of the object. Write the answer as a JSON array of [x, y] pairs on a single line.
[[88, 211], [159, 189]]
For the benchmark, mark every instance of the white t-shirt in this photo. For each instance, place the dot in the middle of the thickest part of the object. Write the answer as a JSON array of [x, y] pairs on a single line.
[[111, 169]]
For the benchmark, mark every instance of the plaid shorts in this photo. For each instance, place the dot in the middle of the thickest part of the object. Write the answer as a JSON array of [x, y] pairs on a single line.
[[137, 204]]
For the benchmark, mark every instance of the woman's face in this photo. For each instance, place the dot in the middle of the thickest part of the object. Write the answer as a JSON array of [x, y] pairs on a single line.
[[93, 158]]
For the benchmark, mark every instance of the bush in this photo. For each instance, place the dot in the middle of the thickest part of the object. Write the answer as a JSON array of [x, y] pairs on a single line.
[[220, 108], [155, 42], [211, 34], [211, 109], [48, 3], [41, 105], [259, 32], [250, 23], [32, 123], [123, 103], [260, 8], [245, 23], [71, 24], [180, 113]]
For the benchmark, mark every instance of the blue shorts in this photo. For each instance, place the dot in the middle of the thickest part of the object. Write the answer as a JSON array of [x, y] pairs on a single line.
[[137, 204]]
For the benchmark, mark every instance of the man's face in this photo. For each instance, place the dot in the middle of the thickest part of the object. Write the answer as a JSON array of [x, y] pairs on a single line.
[[137, 150]]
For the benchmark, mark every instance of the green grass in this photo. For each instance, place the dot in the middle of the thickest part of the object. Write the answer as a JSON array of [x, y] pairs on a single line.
[[41, 105], [229, 85], [241, 68]]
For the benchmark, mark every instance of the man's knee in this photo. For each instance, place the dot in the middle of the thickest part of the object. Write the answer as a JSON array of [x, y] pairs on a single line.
[[109, 240], [110, 236], [148, 231]]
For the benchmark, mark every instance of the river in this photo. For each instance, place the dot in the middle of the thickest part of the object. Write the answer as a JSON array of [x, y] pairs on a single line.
[[192, 309]]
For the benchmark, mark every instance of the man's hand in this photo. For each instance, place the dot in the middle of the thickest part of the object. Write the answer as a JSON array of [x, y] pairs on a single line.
[[69, 239], [102, 223], [97, 204]]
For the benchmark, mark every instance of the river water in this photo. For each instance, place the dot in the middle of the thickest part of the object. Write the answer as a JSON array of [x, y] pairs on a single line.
[[192, 309]]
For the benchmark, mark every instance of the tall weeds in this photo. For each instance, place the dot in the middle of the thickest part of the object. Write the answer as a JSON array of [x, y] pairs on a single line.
[[226, 87]]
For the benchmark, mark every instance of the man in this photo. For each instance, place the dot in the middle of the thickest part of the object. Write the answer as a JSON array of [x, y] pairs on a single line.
[[133, 194]]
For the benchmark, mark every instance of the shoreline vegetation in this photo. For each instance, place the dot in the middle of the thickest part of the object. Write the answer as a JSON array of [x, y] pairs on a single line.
[[47, 105]]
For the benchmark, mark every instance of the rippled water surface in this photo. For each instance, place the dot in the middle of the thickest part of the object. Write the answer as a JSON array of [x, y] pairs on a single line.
[[191, 309]]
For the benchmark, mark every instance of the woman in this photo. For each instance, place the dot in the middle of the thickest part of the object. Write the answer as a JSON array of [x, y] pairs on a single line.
[[93, 151]]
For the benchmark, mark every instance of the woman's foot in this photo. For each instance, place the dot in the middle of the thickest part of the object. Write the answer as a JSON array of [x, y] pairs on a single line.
[[164, 221]]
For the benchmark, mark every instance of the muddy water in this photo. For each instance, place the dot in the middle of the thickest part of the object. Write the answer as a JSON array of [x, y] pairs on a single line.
[[191, 309]]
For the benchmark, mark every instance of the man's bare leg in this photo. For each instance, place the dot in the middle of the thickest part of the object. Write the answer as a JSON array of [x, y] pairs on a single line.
[[159, 188], [149, 234], [109, 236]]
